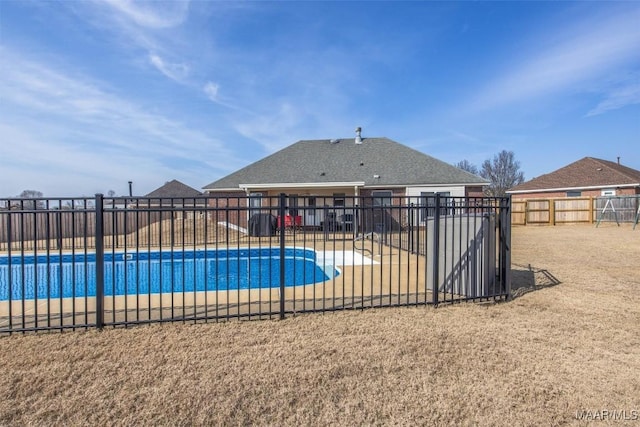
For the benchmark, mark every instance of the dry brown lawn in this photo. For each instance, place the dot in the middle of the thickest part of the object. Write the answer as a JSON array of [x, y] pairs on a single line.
[[568, 342]]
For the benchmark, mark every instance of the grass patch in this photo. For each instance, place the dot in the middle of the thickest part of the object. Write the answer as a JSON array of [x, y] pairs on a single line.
[[568, 342]]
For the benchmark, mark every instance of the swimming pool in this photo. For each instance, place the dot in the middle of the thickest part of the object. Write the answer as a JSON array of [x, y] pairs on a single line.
[[67, 275]]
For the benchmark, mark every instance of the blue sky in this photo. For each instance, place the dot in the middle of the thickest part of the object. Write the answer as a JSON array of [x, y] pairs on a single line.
[[94, 94]]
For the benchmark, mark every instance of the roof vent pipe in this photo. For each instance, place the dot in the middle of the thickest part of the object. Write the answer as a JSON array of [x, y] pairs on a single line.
[[358, 137]]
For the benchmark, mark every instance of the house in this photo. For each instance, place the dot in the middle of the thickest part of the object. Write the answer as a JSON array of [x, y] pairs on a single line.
[[175, 189], [588, 177], [174, 194], [329, 173]]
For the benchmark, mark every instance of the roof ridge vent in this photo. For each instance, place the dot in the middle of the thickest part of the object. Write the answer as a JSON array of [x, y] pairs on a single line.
[[358, 136]]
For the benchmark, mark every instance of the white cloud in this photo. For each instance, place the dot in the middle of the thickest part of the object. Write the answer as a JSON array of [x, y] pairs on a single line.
[[152, 14], [587, 51], [318, 82], [72, 126], [211, 90], [289, 120], [270, 129], [41, 158], [175, 71], [464, 137], [618, 97]]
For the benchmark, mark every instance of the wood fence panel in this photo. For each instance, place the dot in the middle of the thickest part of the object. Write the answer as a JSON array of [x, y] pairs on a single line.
[[574, 210], [539, 211], [518, 212]]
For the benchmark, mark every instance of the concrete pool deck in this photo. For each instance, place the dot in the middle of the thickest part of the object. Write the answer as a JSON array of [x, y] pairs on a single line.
[[362, 279], [370, 275], [344, 258]]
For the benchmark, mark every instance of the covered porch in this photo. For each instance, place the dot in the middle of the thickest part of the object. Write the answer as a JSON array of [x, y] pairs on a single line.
[[330, 207]]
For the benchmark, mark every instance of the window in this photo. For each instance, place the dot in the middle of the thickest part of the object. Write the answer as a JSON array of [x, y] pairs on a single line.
[[381, 198], [608, 192], [338, 199], [293, 204], [311, 203], [428, 202], [574, 193], [255, 203]]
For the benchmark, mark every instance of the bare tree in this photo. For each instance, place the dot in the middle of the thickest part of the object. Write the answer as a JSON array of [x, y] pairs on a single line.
[[111, 193], [31, 204], [31, 194], [503, 172], [465, 165]]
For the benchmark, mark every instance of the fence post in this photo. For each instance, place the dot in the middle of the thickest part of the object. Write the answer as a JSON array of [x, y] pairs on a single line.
[[436, 250], [281, 212], [99, 240], [505, 246]]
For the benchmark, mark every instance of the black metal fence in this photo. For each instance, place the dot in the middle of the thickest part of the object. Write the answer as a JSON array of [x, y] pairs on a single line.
[[84, 263]]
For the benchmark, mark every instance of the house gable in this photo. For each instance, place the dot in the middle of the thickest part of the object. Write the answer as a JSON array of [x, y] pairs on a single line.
[[175, 189]]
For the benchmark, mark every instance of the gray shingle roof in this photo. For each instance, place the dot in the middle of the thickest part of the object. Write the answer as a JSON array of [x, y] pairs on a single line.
[[327, 161], [174, 188], [586, 172]]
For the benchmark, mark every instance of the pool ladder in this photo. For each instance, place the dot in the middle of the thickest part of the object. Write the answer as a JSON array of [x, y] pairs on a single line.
[[368, 236]]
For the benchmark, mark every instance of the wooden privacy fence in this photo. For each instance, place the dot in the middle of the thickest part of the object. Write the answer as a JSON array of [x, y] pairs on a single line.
[[575, 210]]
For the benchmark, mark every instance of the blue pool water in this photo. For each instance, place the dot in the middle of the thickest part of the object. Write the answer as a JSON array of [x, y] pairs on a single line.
[[134, 273]]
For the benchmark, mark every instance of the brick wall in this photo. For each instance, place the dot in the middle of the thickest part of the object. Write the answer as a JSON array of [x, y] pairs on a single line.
[[224, 204]]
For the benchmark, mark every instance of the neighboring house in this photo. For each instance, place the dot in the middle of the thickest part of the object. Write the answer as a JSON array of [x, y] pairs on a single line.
[[321, 174], [176, 189], [588, 177], [174, 194]]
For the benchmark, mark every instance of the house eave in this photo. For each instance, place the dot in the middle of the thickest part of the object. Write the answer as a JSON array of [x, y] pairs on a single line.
[[592, 187], [262, 186], [341, 184], [455, 184], [218, 190]]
